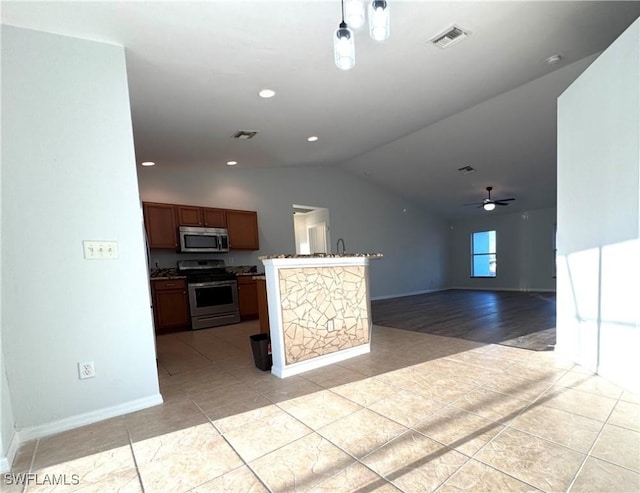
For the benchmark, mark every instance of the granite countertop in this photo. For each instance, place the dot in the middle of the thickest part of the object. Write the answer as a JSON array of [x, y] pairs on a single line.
[[323, 255], [242, 270], [163, 274], [172, 273]]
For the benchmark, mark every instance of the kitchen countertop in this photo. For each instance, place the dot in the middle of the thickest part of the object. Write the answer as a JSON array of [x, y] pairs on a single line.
[[161, 274], [323, 255], [164, 274]]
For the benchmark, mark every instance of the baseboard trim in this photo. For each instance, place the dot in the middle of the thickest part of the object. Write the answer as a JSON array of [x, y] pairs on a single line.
[[529, 290], [71, 422], [12, 450], [412, 293], [320, 361]]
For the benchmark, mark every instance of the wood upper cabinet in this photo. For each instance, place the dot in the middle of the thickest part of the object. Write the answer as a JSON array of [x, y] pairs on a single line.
[[170, 305], [207, 217], [189, 215], [162, 220], [160, 224], [243, 230], [214, 218], [247, 297]]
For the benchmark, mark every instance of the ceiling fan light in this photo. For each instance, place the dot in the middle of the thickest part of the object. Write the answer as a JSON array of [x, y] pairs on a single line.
[[354, 13], [379, 20], [489, 206], [344, 47]]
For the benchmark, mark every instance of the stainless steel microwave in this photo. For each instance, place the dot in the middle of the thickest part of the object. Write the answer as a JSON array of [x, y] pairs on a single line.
[[203, 240]]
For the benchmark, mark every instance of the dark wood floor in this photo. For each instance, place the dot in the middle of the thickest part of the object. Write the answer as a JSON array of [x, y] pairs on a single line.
[[513, 318]]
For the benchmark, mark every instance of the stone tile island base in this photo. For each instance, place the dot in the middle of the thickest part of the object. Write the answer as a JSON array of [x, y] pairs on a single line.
[[319, 309]]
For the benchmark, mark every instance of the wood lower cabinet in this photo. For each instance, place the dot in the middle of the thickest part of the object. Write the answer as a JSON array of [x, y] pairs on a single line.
[[263, 306], [170, 305], [247, 297], [243, 230], [160, 224], [207, 217]]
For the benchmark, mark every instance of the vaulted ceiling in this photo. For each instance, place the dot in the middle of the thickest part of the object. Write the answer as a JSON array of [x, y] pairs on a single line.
[[407, 116]]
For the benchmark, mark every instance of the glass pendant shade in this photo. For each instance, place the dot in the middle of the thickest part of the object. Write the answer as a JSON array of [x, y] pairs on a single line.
[[344, 47], [379, 20], [489, 206], [354, 13]]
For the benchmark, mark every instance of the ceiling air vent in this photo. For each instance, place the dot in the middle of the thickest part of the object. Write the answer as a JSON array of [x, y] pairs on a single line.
[[245, 134], [465, 170], [451, 36]]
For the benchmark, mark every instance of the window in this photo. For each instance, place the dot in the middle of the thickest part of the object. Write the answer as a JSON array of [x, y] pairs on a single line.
[[483, 254]]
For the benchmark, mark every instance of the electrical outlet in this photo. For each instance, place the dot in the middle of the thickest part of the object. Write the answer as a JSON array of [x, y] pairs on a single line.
[[86, 370], [330, 326]]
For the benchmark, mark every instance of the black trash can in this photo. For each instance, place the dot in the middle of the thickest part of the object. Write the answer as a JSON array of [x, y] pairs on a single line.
[[261, 347]]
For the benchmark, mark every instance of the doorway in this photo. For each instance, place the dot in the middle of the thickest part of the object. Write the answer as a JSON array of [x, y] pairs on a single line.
[[311, 229]]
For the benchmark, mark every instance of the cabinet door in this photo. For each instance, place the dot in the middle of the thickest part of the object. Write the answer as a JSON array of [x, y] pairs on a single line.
[[160, 223], [189, 216], [263, 306], [247, 298], [243, 230], [214, 218], [170, 309]]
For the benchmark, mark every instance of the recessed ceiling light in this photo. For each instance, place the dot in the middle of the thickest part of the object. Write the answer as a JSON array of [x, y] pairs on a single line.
[[313, 138], [232, 163], [148, 163], [267, 93]]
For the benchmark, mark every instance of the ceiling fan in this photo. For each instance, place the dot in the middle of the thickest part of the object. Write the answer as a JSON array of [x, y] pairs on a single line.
[[489, 204]]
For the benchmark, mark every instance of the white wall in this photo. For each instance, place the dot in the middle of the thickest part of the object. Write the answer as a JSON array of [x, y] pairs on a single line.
[[7, 430], [524, 251], [68, 175], [414, 243], [598, 313]]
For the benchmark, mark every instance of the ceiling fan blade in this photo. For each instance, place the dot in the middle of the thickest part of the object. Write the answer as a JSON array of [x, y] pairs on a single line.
[[505, 200], [501, 203]]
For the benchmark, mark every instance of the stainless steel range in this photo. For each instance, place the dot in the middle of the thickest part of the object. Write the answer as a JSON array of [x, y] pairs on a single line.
[[213, 293]]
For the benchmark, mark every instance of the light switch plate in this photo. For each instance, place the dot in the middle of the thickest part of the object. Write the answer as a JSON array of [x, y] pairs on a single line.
[[100, 250]]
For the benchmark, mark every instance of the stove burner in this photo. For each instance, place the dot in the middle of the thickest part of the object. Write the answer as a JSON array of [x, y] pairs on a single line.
[[199, 271], [213, 275]]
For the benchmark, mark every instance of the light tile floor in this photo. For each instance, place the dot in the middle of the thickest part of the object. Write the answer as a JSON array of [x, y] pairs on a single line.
[[419, 413]]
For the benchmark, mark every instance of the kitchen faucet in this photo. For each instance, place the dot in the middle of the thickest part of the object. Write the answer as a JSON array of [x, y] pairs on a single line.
[[340, 240]]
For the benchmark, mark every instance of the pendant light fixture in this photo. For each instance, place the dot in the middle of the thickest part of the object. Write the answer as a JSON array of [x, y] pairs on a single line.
[[354, 13], [379, 20], [344, 46]]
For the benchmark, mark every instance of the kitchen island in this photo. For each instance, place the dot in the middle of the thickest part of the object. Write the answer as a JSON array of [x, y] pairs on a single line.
[[319, 309]]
